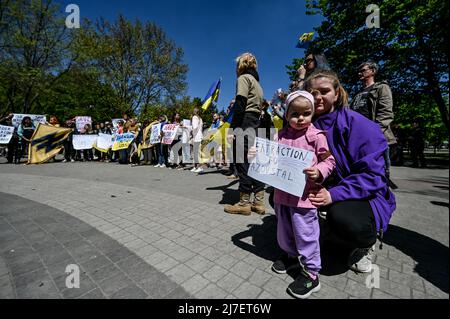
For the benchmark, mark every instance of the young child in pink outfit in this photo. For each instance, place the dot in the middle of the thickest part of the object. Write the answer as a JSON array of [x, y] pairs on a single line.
[[298, 225]]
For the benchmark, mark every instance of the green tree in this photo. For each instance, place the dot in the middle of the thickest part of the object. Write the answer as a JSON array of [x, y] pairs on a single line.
[[35, 51], [78, 93], [410, 46], [140, 63]]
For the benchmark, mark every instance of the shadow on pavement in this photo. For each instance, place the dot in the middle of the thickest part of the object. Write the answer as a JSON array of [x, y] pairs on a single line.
[[214, 171], [334, 258], [431, 256], [263, 239], [443, 204], [230, 196]]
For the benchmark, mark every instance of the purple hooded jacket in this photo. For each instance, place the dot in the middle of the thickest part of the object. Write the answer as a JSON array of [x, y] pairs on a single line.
[[358, 145]]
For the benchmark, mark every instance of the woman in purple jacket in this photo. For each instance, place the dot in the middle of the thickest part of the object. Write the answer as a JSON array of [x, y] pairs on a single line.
[[358, 203]]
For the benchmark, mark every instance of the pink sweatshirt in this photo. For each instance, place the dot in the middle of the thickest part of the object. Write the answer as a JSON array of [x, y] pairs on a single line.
[[310, 139]]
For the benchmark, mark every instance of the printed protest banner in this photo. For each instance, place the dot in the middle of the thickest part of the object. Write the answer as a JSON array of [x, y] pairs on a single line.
[[122, 141], [6, 133], [187, 123], [81, 121], [17, 119], [170, 132], [155, 135], [83, 142], [280, 166], [104, 141]]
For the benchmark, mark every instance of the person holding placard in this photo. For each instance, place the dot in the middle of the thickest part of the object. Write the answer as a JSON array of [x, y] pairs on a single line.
[[162, 152], [174, 150], [358, 202], [25, 132], [69, 151], [13, 143], [88, 155], [298, 227]]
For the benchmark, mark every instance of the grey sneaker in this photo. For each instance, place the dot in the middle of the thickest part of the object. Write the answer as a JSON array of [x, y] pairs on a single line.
[[323, 215], [361, 259]]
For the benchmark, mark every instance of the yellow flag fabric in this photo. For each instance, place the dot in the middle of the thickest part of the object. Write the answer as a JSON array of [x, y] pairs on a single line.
[[277, 122], [213, 95], [46, 142], [217, 137], [103, 150], [305, 37], [305, 40]]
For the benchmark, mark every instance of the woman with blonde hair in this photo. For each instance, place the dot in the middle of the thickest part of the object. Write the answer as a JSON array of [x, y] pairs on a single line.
[[247, 112]]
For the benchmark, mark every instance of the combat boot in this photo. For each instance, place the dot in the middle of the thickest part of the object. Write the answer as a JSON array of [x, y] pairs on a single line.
[[258, 203], [244, 206]]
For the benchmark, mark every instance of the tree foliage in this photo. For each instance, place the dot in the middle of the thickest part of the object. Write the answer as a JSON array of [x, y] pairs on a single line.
[[410, 46], [139, 62], [34, 46]]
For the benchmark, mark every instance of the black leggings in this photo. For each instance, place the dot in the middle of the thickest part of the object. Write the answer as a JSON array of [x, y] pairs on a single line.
[[354, 222]]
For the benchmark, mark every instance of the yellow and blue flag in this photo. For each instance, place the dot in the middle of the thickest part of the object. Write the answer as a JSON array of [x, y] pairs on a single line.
[[222, 131], [305, 40], [213, 95], [46, 142]]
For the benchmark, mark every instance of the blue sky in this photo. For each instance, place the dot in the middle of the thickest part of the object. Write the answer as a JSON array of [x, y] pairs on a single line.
[[213, 33]]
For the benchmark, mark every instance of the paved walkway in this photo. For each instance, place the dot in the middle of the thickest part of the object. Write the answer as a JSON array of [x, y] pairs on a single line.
[[147, 232]]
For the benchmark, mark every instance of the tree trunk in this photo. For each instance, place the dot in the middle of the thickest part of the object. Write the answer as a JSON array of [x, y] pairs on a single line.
[[433, 84], [436, 92]]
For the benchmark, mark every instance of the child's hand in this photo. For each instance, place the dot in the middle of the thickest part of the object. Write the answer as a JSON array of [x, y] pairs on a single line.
[[251, 153], [313, 173]]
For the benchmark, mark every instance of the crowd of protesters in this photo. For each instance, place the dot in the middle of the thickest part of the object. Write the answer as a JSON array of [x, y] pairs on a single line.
[[159, 154]]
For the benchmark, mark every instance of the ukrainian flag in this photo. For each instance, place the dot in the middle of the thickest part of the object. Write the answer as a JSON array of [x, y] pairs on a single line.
[[46, 142], [305, 40], [218, 136], [213, 95], [222, 130]]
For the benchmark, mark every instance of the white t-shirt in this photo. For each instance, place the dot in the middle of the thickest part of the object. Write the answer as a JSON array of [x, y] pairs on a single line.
[[197, 129]]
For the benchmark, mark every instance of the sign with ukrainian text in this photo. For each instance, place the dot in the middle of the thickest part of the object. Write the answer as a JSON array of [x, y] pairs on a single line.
[[170, 132], [6, 133], [122, 141], [155, 136], [17, 119], [81, 121], [280, 166], [146, 136]]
